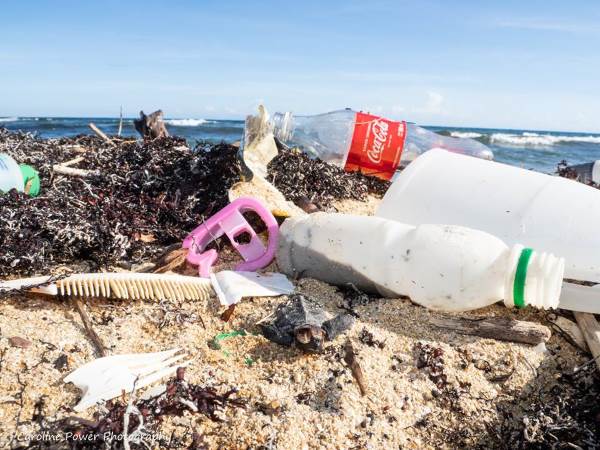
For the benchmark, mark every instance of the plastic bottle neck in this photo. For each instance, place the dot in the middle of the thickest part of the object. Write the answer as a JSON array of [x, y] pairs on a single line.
[[283, 125], [533, 278]]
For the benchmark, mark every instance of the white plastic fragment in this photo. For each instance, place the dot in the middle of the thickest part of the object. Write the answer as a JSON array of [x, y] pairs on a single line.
[[231, 287], [106, 378], [540, 348]]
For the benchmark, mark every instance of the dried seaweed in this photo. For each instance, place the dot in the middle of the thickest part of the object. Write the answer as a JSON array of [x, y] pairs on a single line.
[[143, 418], [354, 297], [148, 195], [563, 412], [367, 338], [303, 179], [432, 360]]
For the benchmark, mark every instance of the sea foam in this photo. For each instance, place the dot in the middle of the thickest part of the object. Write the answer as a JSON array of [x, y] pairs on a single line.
[[465, 134], [186, 122], [541, 140]]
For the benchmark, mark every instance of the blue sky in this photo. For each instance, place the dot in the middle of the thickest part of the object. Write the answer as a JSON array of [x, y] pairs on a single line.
[[510, 64]]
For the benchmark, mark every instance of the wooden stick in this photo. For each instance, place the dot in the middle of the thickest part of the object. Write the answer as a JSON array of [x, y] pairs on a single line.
[[501, 328], [591, 331], [72, 162], [357, 373], [99, 132], [571, 331], [87, 324], [74, 172], [120, 121]]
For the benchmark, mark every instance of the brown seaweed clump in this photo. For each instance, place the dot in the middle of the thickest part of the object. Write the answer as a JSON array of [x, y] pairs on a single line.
[[139, 422], [299, 178], [139, 197], [562, 413]]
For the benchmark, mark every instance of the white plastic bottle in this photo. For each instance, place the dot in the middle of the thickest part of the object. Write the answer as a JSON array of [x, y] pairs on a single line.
[[10, 174], [545, 212], [355, 140], [441, 267]]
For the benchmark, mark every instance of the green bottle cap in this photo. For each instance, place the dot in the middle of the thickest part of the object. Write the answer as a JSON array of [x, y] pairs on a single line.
[[31, 180]]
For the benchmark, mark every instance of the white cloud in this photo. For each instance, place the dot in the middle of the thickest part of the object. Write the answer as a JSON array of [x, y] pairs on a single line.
[[433, 105]]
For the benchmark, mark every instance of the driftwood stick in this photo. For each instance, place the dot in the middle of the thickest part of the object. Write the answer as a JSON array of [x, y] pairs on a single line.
[[571, 331], [72, 162], [74, 172], [501, 328], [87, 324], [151, 126], [591, 331], [99, 132]]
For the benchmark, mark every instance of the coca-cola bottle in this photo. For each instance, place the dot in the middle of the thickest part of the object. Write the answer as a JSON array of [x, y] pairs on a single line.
[[359, 141]]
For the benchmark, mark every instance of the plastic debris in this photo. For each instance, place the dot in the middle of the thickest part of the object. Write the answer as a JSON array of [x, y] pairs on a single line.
[[231, 287], [441, 267], [106, 378], [231, 222], [371, 144], [21, 177], [215, 343]]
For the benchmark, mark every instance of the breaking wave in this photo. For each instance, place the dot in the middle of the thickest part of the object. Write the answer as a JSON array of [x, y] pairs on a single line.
[[465, 134], [540, 140], [524, 139], [186, 122], [8, 119]]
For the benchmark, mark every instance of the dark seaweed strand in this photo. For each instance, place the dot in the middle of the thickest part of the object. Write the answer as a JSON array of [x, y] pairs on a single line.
[[299, 177], [153, 191]]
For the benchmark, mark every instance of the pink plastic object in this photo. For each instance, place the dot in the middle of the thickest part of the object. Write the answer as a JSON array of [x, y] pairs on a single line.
[[231, 222]]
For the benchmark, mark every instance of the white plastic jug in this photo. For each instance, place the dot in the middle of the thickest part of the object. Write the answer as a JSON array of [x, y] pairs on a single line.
[[10, 174], [547, 213], [441, 267]]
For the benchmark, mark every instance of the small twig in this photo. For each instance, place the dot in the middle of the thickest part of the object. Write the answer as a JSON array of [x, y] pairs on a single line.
[[72, 171], [87, 324], [350, 359], [99, 132], [587, 363], [21, 406], [72, 162], [120, 121], [130, 408], [591, 331]]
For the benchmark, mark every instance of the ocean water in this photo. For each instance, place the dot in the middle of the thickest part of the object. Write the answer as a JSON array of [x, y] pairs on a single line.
[[538, 150]]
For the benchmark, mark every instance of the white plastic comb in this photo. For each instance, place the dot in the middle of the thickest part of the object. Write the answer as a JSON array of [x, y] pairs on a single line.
[[120, 285]]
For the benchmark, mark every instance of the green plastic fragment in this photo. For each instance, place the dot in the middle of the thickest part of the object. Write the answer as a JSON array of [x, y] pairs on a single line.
[[215, 343], [31, 180]]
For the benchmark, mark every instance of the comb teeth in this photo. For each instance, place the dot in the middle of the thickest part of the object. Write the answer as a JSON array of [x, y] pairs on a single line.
[[135, 286]]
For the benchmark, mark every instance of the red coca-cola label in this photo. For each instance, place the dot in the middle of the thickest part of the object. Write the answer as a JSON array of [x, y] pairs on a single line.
[[376, 146]]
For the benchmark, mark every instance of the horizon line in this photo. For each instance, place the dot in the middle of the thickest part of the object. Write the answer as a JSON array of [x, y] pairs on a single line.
[[241, 120]]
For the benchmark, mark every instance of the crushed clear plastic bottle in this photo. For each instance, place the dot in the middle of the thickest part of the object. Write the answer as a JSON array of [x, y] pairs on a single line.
[[358, 141]]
